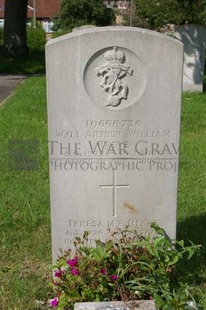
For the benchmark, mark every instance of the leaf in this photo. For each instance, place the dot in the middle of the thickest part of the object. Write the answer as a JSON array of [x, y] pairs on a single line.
[[99, 253], [158, 300], [174, 261], [159, 230]]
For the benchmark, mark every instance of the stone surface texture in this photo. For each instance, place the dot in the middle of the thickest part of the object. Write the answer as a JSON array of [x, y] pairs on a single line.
[[114, 101], [194, 39], [116, 305]]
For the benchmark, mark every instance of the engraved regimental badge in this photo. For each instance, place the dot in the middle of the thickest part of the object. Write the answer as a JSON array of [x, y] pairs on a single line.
[[113, 73]]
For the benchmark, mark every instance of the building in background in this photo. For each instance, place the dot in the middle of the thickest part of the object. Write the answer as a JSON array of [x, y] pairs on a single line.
[[119, 4], [43, 12], [39, 12], [1, 13], [124, 10]]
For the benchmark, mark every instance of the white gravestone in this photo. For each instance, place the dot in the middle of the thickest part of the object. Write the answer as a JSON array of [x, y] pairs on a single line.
[[114, 101], [194, 39]]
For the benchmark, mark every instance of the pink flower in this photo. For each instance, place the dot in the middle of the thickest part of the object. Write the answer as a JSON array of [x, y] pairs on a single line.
[[103, 271], [73, 262], [75, 272], [114, 277], [54, 302], [58, 273]]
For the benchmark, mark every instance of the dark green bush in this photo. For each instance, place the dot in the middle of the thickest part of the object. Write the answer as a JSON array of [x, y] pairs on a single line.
[[36, 39], [57, 34], [1, 36]]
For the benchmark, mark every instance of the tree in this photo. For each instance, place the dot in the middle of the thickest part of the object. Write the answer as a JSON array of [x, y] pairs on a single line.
[[15, 38], [155, 14], [75, 13]]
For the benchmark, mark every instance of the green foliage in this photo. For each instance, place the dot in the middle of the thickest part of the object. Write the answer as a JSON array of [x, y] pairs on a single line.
[[36, 39], [76, 13], [59, 33], [127, 267], [153, 14], [32, 63]]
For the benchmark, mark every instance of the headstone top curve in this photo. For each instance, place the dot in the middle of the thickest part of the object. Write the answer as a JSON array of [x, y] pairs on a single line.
[[82, 32]]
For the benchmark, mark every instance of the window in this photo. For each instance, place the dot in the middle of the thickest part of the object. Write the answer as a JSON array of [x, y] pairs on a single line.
[[47, 25], [1, 23]]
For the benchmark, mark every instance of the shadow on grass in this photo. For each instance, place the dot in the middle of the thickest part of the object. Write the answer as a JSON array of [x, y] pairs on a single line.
[[204, 84], [204, 78], [30, 64], [194, 229]]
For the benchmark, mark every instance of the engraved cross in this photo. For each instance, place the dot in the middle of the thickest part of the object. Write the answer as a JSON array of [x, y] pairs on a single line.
[[114, 187]]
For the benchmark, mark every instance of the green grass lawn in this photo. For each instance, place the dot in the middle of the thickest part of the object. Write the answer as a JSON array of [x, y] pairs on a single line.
[[25, 251], [192, 186], [25, 244]]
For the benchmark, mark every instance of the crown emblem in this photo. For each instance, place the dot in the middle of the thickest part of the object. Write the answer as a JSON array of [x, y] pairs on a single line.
[[113, 72], [114, 56]]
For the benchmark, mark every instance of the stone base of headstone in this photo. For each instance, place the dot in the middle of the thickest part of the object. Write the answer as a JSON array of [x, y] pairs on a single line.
[[116, 305]]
